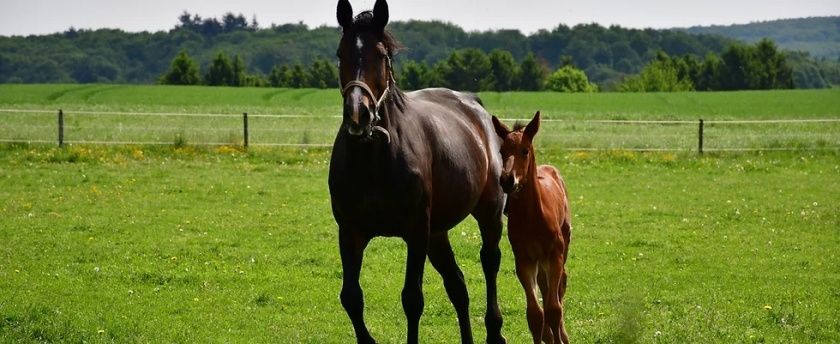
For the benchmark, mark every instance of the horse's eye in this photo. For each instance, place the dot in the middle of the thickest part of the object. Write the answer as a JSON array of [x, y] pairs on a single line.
[[524, 152]]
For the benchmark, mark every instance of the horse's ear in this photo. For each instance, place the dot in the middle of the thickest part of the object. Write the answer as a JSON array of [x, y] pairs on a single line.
[[501, 129], [380, 13], [533, 126], [344, 13]]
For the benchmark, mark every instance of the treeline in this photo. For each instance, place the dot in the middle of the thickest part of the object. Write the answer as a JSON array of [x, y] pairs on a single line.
[[741, 67], [606, 54], [819, 36], [467, 69]]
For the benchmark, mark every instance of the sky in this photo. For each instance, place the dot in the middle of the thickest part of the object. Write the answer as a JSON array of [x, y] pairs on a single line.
[[25, 17]]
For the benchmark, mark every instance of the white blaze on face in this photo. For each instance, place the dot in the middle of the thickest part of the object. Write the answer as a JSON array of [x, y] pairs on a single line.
[[508, 168], [357, 94]]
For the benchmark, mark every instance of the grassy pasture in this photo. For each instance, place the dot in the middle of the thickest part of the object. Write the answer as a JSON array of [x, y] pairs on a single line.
[[116, 244], [315, 111]]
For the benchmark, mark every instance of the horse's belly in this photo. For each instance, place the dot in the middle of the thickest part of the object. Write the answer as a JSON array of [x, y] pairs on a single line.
[[375, 210]]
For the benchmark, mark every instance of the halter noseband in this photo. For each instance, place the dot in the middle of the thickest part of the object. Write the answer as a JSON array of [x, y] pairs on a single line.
[[361, 84]]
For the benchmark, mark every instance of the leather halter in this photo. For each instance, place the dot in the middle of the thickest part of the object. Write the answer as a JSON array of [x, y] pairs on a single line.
[[378, 102], [361, 84]]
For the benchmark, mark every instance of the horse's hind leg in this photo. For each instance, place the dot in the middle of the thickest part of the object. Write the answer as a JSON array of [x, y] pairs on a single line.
[[490, 224], [443, 260], [352, 246]]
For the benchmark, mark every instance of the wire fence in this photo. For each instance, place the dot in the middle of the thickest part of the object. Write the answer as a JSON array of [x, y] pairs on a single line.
[[170, 128]]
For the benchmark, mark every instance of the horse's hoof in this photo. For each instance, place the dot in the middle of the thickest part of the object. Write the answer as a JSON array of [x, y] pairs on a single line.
[[500, 340]]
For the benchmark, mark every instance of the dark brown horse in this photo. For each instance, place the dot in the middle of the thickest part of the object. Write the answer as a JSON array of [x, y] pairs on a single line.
[[410, 165], [539, 229]]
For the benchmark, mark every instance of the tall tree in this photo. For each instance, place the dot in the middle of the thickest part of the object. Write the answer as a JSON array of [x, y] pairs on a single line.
[[182, 71], [323, 74], [504, 70], [468, 69], [414, 75], [220, 72], [531, 74], [280, 76]]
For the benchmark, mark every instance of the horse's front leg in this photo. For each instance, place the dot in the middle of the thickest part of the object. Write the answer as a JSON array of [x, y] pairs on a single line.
[[352, 245], [417, 240]]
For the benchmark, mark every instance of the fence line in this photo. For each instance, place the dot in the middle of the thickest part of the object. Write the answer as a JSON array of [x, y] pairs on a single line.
[[603, 121], [245, 129]]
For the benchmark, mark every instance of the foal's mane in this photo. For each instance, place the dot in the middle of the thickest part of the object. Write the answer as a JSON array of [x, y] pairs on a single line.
[[519, 125], [364, 23]]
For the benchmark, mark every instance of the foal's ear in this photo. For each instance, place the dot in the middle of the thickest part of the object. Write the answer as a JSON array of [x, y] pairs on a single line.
[[344, 13], [380, 14], [533, 126], [501, 129]]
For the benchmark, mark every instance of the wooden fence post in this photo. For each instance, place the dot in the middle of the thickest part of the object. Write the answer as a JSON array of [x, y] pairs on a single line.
[[245, 128], [60, 128], [700, 138]]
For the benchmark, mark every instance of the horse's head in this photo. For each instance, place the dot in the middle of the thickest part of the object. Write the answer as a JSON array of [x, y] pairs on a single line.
[[517, 152], [365, 71]]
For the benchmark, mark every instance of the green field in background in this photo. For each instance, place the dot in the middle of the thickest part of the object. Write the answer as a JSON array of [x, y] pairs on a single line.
[[310, 116]]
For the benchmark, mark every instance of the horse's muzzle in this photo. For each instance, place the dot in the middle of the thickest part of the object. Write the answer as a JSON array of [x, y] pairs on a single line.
[[357, 120], [508, 183]]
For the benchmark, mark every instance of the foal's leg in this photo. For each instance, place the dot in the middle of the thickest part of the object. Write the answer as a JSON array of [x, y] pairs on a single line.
[[443, 260], [542, 280], [551, 300], [352, 246], [562, 293], [490, 225], [527, 274]]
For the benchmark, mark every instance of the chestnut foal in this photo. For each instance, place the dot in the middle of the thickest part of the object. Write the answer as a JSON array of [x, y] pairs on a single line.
[[539, 228]]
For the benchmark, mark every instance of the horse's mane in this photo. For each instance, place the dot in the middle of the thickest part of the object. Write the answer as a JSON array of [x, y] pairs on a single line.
[[519, 125], [364, 23]]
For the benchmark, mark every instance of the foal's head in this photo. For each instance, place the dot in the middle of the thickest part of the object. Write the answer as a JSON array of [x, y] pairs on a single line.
[[517, 152], [365, 71]]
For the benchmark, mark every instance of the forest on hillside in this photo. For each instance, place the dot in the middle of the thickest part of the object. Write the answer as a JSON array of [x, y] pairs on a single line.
[[819, 36], [607, 55]]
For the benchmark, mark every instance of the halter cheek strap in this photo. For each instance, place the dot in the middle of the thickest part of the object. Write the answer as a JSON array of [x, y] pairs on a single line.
[[369, 92]]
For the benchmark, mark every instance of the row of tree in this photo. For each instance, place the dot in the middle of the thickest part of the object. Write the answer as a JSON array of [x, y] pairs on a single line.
[[606, 54], [466, 69], [740, 67]]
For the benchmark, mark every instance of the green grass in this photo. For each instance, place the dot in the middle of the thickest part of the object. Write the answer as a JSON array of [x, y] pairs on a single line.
[[157, 244], [214, 244], [795, 104], [315, 120]]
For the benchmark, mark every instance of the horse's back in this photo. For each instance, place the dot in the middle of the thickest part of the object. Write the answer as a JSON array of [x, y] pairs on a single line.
[[458, 131], [555, 188]]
